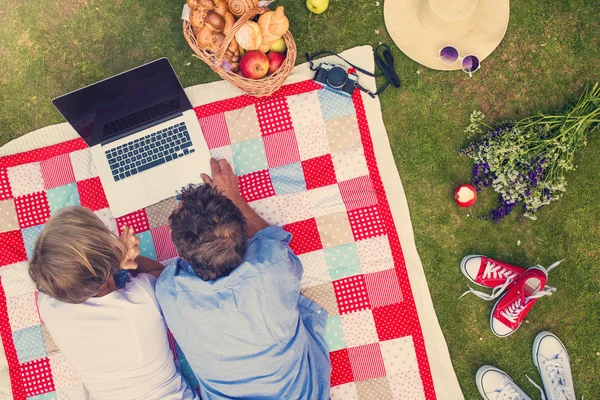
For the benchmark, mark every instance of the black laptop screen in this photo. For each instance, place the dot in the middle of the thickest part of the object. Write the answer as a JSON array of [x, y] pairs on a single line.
[[124, 103]]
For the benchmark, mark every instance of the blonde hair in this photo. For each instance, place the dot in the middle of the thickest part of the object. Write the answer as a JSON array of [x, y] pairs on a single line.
[[74, 256]]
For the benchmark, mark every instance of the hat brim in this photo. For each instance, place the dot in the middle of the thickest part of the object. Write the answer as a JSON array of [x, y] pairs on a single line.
[[422, 41]]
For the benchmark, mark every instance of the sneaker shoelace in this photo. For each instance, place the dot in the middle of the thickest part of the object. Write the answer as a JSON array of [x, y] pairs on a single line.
[[564, 393], [498, 290], [509, 392], [513, 311], [495, 271]]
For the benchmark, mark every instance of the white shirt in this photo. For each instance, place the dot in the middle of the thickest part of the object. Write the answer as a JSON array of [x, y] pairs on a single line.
[[118, 343]]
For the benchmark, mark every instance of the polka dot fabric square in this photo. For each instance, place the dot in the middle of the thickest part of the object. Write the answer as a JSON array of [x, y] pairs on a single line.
[[335, 104], [343, 261], [215, 130], [32, 209], [319, 172], [305, 236], [137, 220], [256, 185], [37, 377], [334, 334], [63, 196], [51, 396], [108, 219], [399, 355], [351, 294], [281, 148], [5, 190], [16, 280], [12, 248], [22, 311], [305, 109], [267, 208], [242, 124], [366, 223], [316, 271], [358, 193], [273, 115], [367, 362], [350, 163], [91, 194], [294, 207], [383, 288], [147, 245], [288, 179], [359, 328], [249, 157], [374, 389], [57, 171], [326, 200], [334, 229], [375, 254], [165, 249], [343, 133], [83, 164], [8, 216], [390, 326], [341, 370], [324, 296], [344, 392], [25, 179], [158, 214], [30, 235], [223, 153], [29, 343], [312, 140], [64, 376], [407, 385]]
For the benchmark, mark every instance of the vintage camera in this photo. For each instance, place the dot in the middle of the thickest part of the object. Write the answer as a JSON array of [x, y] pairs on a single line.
[[336, 77]]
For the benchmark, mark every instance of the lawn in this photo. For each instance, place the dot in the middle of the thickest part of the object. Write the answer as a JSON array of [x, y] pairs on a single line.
[[551, 50]]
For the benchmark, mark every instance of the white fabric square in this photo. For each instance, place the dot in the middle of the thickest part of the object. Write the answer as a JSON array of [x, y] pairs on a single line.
[[399, 355], [350, 163], [83, 164], [106, 216], [312, 140], [326, 200], [221, 153], [16, 280], [63, 375], [347, 391], [26, 179], [75, 392], [268, 208], [22, 311], [305, 109], [316, 271], [406, 385], [294, 207], [375, 254], [359, 328]]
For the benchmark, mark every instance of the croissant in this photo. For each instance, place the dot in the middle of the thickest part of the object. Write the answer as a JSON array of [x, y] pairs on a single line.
[[239, 7], [273, 24]]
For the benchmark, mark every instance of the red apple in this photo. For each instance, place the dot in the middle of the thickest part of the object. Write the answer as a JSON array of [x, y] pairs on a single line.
[[254, 64], [465, 195], [275, 60]]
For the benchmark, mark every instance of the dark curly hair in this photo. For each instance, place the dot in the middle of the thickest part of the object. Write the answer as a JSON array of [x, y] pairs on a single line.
[[209, 231]]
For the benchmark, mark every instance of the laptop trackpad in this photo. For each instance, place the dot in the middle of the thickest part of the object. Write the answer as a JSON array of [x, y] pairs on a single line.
[[162, 183]]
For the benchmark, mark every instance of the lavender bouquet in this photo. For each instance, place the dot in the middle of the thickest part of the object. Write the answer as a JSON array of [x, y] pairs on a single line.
[[525, 161]]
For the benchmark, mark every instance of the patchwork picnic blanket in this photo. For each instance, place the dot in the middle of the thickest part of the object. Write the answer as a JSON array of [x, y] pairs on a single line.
[[309, 159]]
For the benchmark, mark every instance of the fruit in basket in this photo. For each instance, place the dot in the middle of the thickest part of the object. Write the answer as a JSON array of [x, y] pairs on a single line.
[[273, 25], [249, 36], [279, 46], [317, 6], [275, 60], [239, 7], [254, 64]]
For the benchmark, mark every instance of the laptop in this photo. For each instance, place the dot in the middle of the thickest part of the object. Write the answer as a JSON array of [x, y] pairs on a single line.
[[143, 133]]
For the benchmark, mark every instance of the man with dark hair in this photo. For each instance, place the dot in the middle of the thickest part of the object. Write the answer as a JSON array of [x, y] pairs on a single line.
[[233, 299]]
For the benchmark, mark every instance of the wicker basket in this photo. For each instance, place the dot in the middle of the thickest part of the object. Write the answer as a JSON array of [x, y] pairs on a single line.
[[254, 87]]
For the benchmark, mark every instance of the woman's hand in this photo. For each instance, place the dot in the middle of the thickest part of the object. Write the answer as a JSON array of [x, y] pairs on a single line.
[[132, 248]]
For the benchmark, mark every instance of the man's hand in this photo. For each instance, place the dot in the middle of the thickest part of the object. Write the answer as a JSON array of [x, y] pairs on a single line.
[[224, 179], [132, 248]]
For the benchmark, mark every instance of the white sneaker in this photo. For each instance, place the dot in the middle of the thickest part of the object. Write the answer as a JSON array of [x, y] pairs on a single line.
[[494, 384], [552, 361]]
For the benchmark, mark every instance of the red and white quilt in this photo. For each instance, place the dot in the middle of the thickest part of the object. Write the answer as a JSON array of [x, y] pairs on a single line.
[[306, 161]]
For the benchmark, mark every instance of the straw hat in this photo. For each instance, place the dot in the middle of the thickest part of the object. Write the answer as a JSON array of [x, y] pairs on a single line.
[[421, 28]]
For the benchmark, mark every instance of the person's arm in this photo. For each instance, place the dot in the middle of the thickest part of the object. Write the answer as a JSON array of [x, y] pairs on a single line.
[[133, 261], [225, 180]]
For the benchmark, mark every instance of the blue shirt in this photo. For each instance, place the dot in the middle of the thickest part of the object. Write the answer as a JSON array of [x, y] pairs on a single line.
[[251, 334]]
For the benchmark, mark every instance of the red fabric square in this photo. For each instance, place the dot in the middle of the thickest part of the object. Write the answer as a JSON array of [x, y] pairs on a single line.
[[32, 209], [273, 115], [367, 362], [351, 294], [138, 220], [163, 244], [395, 321], [57, 171], [12, 248], [215, 130], [383, 288], [256, 186], [358, 193], [366, 223], [91, 194], [281, 148], [5, 191], [305, 236], [37, 377], [341, 369], [319, 172]]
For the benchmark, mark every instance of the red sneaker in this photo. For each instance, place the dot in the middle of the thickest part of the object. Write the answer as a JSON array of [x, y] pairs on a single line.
[[485, 271], [512, 308]]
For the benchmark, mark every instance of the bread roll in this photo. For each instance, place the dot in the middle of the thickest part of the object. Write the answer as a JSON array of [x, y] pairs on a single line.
[[249, 36], [239, 7]]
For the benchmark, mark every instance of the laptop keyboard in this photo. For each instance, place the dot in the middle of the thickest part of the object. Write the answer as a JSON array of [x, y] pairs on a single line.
[[149, 151]]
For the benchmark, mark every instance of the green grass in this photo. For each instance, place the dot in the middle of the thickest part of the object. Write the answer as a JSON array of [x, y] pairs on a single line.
[[551, 50]]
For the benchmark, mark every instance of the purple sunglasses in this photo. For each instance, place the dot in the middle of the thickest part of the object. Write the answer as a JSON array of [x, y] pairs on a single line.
[[469, 64]]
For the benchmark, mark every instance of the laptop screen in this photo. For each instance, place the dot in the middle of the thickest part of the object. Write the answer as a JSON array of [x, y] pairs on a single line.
[[124, 103]]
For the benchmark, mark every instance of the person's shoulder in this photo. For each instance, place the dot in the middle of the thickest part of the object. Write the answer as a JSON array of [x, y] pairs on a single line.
[[166, 280]]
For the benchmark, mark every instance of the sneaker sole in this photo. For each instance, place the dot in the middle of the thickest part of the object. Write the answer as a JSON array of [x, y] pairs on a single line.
[[496, 305], [536, 346], [463, 267]]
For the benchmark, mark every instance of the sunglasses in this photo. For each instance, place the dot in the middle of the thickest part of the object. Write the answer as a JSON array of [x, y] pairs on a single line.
[[469, 64]]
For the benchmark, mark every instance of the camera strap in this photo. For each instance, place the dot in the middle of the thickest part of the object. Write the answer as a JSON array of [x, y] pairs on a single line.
[[385, 64]]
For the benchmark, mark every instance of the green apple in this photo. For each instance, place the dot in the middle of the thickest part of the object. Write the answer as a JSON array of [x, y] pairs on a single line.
[[242, 51], [317, 6], [278, 46]]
